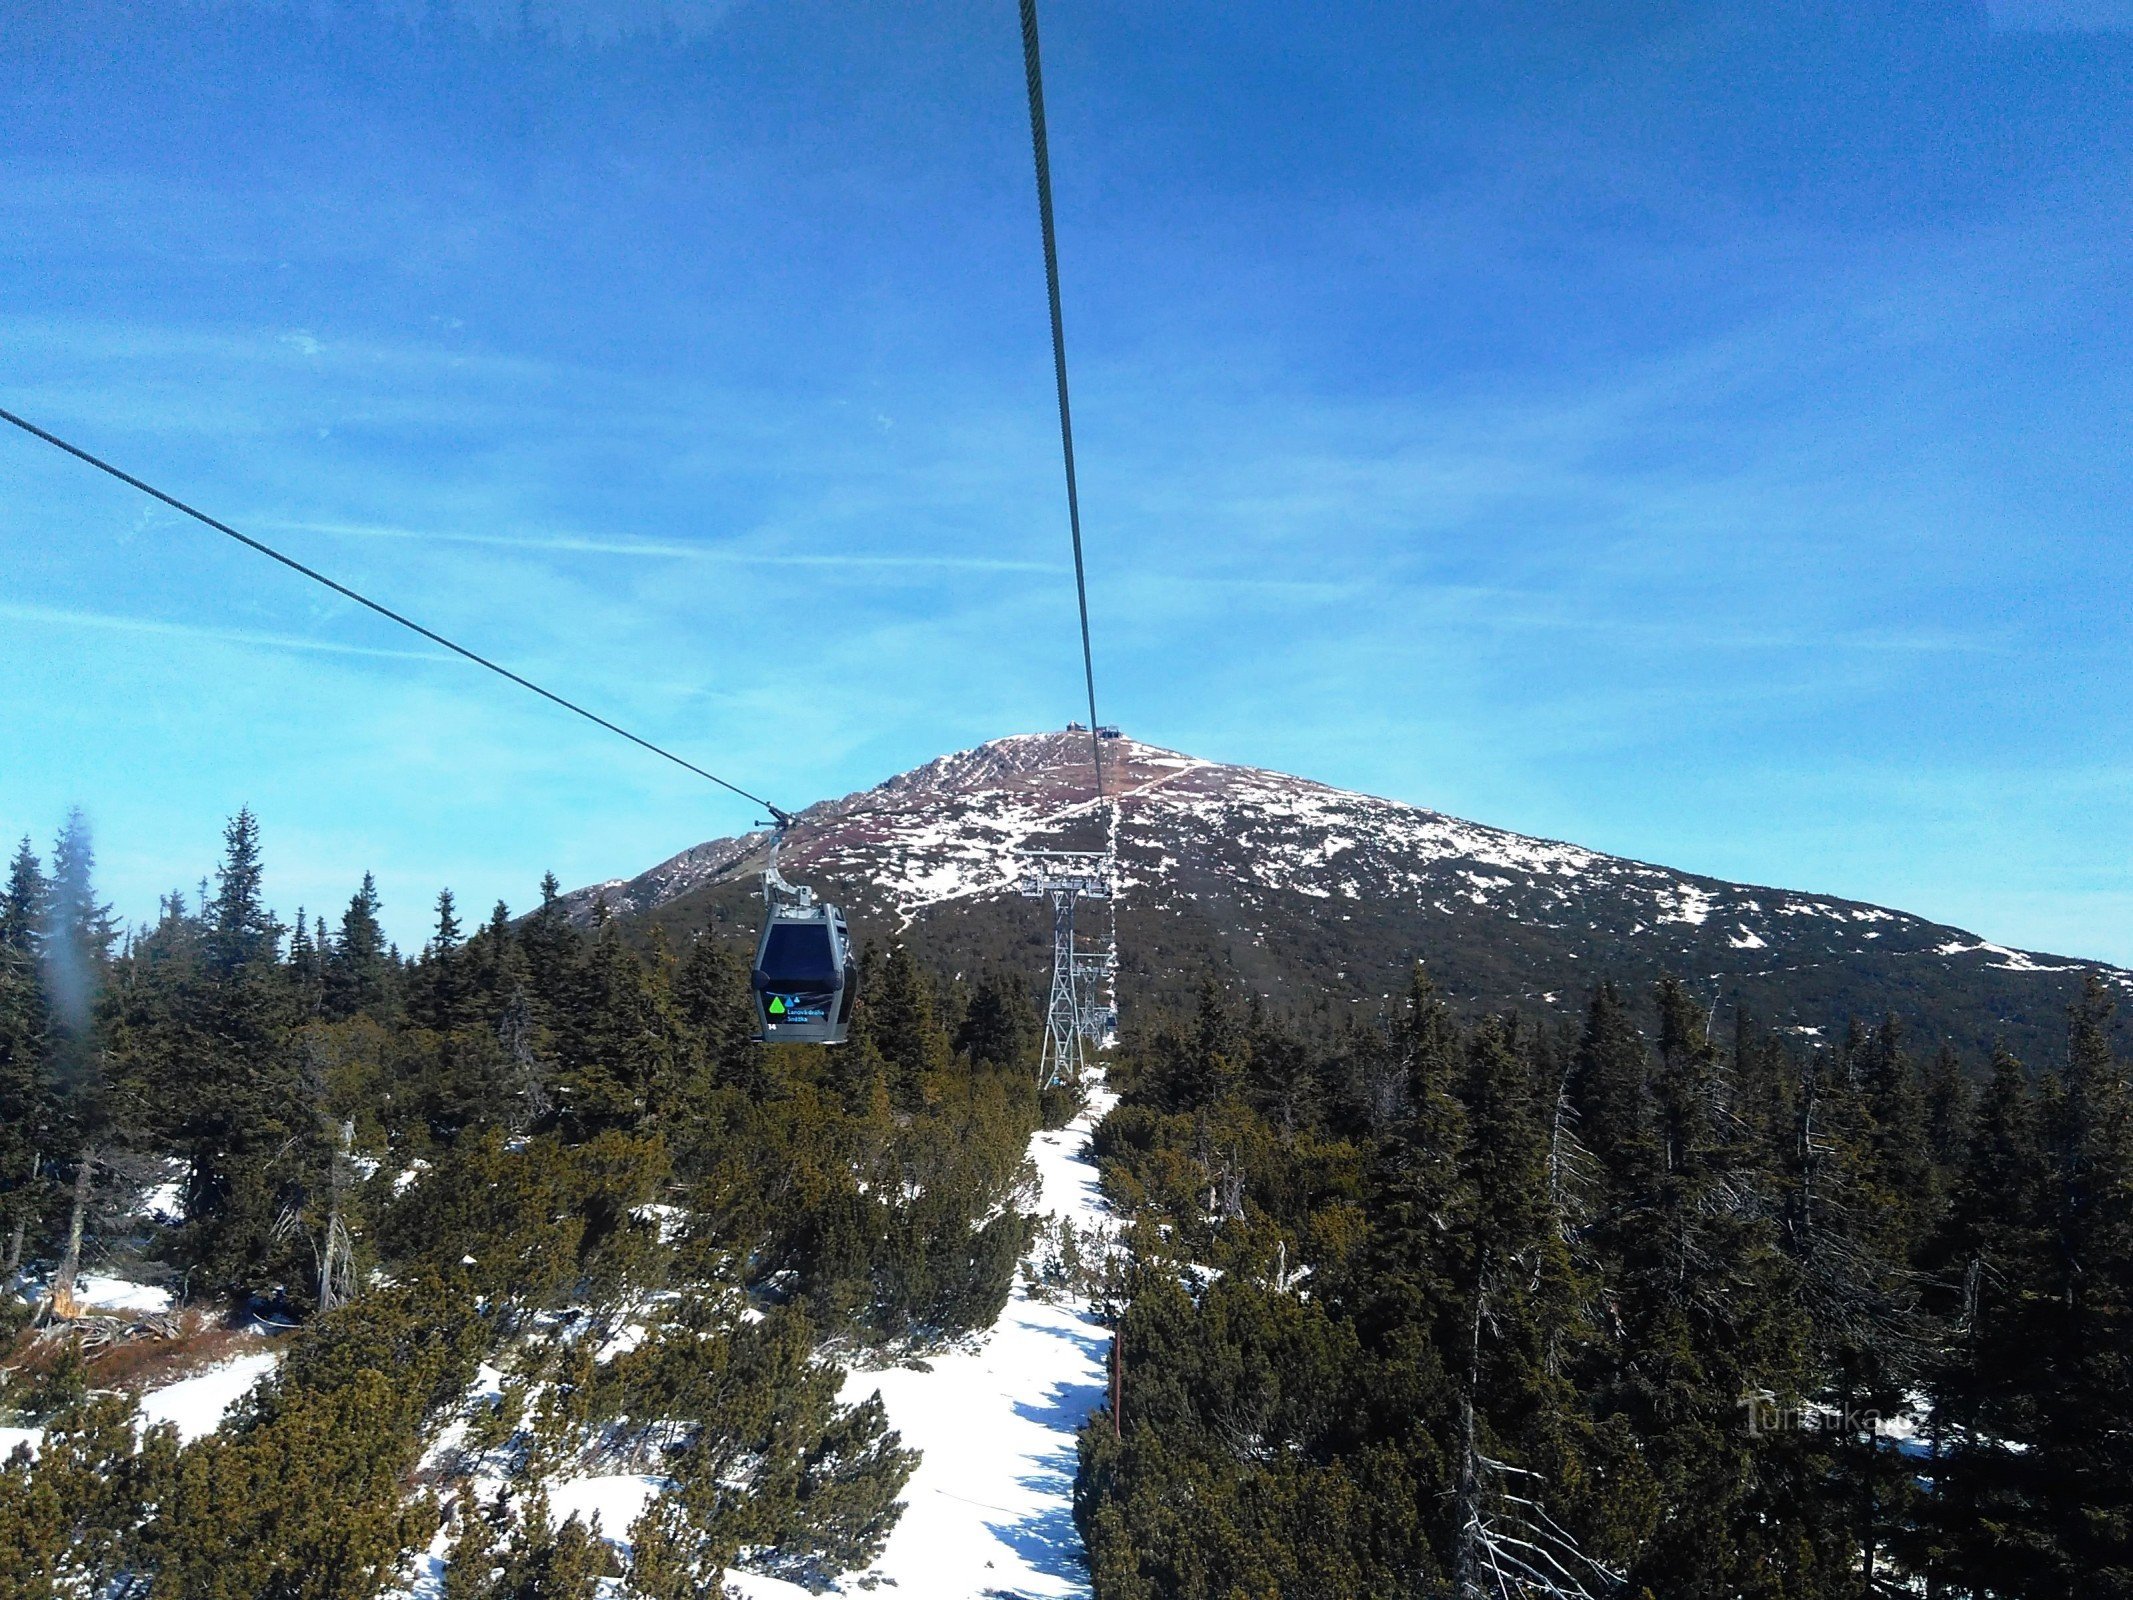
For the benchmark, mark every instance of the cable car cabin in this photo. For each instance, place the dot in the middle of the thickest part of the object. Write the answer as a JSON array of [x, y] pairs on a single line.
[[804, 976]]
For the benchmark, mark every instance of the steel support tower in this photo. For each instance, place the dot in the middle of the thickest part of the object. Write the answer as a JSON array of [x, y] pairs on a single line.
[[1094, 971], [1066, 878]]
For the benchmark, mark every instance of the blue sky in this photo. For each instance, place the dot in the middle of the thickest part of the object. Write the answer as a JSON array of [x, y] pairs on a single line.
[[1696, 431]]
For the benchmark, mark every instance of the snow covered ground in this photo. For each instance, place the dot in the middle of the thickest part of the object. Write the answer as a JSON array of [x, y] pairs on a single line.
[[198, 1404], [988, 1513], [100, 1293], [195, 1405]]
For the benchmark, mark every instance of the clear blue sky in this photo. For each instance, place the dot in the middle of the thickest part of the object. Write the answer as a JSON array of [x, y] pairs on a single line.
[[1701, 436]]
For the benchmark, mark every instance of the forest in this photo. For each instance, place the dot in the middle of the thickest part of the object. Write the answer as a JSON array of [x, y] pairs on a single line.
[[1440, 1304], [530, 1199], [1466, 1307]]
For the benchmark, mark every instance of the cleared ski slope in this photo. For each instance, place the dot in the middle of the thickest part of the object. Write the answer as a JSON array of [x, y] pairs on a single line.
[[988, 1514]]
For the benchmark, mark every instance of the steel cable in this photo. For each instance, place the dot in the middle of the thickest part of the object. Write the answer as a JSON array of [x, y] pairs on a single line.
[[1040, 149], [387, 612]]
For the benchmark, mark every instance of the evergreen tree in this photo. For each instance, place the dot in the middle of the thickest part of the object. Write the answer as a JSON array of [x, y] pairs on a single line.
[[86, 1116], [1705, 1323], [359, 968], [623, 1058], [1514, 1320], [78, 937], [553, 953], [1419, 1203], [203, 1042], [904, 1026], [1612, 1091], [1000, 1028], [1949, 1099], [1988, 1535], [711, 990], [1901, 1139], [2084, 1445], [307, 965], [1855, 1196], [442, 994], [26, 1099]]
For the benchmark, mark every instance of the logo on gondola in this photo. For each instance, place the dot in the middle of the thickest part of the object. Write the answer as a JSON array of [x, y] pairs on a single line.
[[792, 1008]]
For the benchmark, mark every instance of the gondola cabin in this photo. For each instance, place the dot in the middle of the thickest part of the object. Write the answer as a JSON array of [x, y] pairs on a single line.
[[804, 977]]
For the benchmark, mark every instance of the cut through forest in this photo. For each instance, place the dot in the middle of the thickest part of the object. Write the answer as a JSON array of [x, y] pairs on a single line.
[[1448, 1302]]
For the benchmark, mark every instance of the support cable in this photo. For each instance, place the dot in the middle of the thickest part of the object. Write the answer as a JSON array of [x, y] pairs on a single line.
[[342, 589], [1034, 71]]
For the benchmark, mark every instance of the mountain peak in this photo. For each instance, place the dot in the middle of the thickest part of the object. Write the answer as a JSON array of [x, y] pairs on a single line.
[[1301, 889]]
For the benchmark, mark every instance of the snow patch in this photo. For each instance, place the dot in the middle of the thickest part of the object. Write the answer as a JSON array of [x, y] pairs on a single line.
[[99, 1293], [2010, 960], [11, 1438], [615, 1501], [165, 1203], [1684, 902], [197, 1405]]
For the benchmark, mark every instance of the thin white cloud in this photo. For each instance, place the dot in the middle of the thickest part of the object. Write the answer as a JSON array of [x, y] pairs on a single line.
[[662, 550], [63, 617]]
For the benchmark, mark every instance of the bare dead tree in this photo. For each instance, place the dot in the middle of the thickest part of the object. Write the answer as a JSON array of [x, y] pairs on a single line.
[[1507, 1546], [336, 1251], [514, 1031], [65, 1302], [1511, 1548]]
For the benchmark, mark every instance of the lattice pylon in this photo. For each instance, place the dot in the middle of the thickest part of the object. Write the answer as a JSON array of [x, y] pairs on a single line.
[[1092, 979], [1061, 1061], [1065, 879]]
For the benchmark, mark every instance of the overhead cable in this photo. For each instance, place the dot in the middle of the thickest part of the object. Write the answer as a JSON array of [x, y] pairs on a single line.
[[342, 589], [1034, 71]]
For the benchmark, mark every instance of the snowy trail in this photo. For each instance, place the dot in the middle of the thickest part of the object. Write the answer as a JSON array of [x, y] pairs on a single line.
[[989, 1513]]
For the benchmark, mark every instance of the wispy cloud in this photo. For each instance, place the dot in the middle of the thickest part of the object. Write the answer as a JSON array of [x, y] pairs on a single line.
[[664, 550], [63, 617]]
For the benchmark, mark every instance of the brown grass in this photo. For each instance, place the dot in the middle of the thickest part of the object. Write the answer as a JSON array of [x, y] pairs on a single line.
[[138, 1364]]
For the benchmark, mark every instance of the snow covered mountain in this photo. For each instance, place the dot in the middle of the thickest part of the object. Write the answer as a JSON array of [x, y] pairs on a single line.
[[1299, 890]]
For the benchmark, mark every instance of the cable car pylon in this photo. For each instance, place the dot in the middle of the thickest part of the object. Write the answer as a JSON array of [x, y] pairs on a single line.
[[1076, 1017]]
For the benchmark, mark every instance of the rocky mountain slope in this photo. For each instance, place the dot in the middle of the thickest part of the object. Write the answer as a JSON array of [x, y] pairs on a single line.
[[1300, 891]]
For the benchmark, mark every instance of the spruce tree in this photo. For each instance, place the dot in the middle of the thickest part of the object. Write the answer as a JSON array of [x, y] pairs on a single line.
[[79, 933], [623, 1058], [906, 1028], [1513, 1321], [1612, 1091], [205, 1044], [442, 994], [1707, 1336], [26, 1099], [1418, 1203], [1001, 1027], [2084, 1446], [1988, 1534], [359, 969], [711, 990]]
